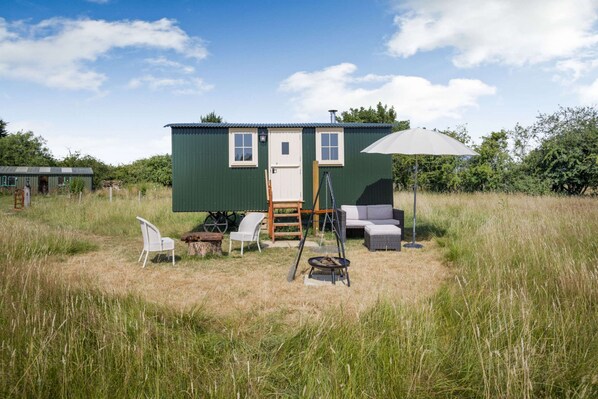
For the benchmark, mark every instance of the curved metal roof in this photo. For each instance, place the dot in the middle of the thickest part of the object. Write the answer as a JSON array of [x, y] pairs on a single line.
[[275, 125], [43, 170]]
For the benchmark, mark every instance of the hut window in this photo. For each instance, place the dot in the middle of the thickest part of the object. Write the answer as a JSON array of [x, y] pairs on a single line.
[[8, 181], [242, 147], [62, 180], [330, 149]]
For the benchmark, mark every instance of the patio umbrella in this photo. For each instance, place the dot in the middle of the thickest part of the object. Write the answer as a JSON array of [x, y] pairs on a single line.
[[418, 141]]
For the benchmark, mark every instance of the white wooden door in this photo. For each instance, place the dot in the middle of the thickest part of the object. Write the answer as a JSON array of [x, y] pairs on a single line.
[[285, 167]]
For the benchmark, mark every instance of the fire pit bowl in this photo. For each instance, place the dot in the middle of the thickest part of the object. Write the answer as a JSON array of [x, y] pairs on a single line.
[[332, 263]]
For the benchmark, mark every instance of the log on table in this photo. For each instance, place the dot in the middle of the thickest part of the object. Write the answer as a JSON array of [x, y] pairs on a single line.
[[201, 236]]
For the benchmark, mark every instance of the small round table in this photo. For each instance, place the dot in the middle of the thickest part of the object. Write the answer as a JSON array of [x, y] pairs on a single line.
[[331, 263]]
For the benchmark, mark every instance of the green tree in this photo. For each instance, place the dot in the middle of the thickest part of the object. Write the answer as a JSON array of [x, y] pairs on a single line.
[[25, 149], [567, 156], [490, 171], [156, 169], [3, 131], [381, 114], [435, 173], [211, 117], [101, 170]]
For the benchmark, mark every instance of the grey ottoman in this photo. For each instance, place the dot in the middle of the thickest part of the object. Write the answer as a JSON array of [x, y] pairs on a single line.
[[382, 237]]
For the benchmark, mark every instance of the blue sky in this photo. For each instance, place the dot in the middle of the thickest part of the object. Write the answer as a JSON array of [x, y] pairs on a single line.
[[103, 77]]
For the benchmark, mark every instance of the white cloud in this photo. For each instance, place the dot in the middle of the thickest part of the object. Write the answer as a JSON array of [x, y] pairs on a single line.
[[166, 64], [588, 95], [413, 97], [109, 149], [99, 1], [27, 125], [124, 144], [58, 52], [571, 70], [194, 86], [175, 85], [512, 32]]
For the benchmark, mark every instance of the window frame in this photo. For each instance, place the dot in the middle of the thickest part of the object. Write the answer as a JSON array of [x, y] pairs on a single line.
[[66, 180], [231, 148], [341, 146], [14, 181]]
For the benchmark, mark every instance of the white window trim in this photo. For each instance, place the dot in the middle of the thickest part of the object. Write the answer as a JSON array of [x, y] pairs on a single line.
[[341, 146], [231, 148]]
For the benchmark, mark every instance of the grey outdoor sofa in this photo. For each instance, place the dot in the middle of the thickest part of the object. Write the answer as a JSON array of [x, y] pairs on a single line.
[[356, 217]]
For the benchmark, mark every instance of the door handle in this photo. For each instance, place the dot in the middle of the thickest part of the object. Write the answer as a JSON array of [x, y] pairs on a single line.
[[273, 170]]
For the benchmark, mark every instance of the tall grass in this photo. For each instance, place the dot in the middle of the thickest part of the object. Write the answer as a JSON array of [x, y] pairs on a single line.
[[59, 342], [519, 319], [95, 214], [25, 239], [522, 314]]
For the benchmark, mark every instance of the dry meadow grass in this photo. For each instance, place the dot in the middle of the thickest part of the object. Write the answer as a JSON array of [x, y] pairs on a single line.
[[255, 284]]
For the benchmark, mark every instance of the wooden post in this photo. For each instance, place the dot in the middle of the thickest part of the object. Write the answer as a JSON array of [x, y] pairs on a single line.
[[110, 193], [267, 181], [315, 184], [270, 205]]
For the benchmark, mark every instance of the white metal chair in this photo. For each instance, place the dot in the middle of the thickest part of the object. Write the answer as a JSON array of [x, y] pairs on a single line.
[[153, 241], [249, 230]]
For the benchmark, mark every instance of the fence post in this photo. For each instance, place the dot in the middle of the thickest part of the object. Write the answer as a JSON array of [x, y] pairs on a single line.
[[27, 196]]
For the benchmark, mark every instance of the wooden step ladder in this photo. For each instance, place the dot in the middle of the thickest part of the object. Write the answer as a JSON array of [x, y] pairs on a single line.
[[283, 214]]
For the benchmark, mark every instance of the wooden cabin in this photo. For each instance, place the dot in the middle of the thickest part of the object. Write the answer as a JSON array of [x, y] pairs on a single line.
[[221, 166], [42, 179]]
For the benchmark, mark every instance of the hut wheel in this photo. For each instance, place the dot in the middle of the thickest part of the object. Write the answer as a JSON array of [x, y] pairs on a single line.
[[216, 222]]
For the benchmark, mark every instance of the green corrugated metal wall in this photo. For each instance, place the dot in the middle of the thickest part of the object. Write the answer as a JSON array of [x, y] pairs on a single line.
[[365, 179], [203, 180], [52, 181]]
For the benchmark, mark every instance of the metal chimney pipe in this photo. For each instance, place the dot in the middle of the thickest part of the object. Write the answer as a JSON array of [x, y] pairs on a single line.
[[332, 115]]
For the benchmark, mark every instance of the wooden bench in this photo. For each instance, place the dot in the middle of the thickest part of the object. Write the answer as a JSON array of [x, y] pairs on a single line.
[[203, 243]]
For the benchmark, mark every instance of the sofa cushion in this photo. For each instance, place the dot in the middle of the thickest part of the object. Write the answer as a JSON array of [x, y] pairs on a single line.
[[354, 223], [378, 212], [379, 222], [384, 230], [357, 212]]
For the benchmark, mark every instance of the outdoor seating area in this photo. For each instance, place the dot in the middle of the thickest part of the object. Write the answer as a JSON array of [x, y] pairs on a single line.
[[357, 217], [380, 233], [234, 285], [376, 263]]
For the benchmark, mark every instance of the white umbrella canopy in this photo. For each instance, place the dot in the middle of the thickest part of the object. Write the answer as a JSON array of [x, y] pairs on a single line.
[[418, 141]]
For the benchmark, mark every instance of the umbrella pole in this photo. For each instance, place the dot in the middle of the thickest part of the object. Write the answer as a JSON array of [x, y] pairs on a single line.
[[413, 244]]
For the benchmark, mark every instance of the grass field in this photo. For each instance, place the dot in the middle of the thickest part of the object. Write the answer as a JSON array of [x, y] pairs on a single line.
[[516, 316]]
